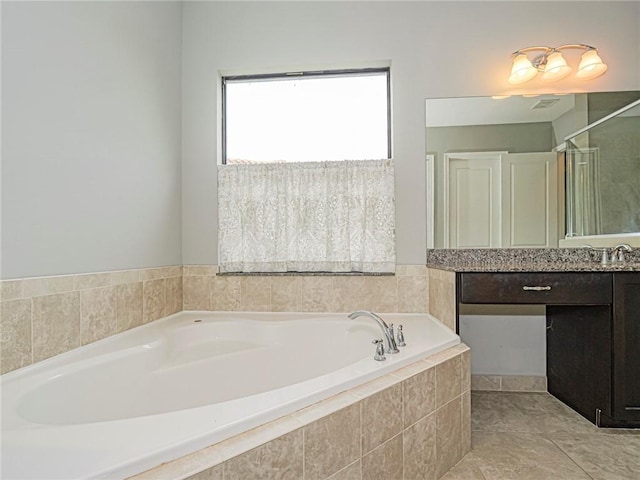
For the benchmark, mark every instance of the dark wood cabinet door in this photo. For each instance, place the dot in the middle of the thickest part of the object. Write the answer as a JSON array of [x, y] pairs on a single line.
[[626, 356], [579, 350]]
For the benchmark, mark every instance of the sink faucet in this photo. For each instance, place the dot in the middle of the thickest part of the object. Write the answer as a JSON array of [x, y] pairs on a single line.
[[604, 251], [387, 330], [617, 254]]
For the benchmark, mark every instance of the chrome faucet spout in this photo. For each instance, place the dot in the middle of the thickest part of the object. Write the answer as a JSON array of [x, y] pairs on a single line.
[[367, 313], [387, 330], [617, 253]]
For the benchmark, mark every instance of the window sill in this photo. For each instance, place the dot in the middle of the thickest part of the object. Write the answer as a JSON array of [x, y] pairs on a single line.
[[305, 274]]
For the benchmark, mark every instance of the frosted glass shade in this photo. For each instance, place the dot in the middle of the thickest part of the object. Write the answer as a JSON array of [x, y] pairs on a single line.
[[556, 67], [591, 65], [522, 70]]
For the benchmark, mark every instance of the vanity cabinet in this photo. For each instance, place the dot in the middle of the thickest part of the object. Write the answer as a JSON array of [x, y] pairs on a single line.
[[536, 288], [626, 348], [592, 330]]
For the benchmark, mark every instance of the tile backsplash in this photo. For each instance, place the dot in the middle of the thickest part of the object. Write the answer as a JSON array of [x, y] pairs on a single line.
[[46, 316], [404, 292]]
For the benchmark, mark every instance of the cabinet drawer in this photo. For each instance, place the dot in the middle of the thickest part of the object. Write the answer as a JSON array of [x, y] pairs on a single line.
[[536, 288]]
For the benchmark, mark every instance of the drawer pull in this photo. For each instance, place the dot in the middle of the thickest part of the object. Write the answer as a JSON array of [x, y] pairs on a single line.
[[536, 288]]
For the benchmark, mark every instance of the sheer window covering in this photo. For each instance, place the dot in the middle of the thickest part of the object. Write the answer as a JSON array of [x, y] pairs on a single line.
[[307, 217]]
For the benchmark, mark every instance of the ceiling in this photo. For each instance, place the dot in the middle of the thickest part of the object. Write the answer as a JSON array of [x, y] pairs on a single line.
[[441, 112]]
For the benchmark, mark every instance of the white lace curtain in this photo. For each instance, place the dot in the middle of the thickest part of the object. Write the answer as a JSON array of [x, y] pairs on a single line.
[[307, 217]]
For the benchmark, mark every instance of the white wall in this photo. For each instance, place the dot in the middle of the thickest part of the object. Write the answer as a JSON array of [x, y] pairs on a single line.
[[436, 49], [505, 339], [91, 107], [90, 136]]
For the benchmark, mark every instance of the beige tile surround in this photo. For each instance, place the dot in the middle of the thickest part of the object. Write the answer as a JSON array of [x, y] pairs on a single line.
[[413, 423], [47, 316], [509, 383], [442, 296], [424, 431], [404, 292]]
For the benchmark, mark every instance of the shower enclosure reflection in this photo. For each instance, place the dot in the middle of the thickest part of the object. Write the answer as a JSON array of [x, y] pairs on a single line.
[[603, 175]]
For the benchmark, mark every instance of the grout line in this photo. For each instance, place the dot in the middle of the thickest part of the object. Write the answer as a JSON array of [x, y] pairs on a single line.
[[304, 441], [270, 295], [31, 315], [361, 442], [473, 462], [569, 457], [81, 311], [548, 436]]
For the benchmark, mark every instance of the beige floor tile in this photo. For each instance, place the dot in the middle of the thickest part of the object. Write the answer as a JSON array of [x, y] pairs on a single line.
[[533, 436], [522, 456], [604, 456], [467, 469], [495, 412], [524, 412]]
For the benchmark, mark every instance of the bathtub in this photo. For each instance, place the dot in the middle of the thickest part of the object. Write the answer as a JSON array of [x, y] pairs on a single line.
[[130, 402]]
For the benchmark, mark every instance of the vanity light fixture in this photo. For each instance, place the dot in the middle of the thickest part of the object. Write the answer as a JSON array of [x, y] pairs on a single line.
[[552, 64]]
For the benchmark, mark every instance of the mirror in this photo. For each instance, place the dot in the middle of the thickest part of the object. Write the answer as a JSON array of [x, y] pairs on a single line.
[[497, 170]]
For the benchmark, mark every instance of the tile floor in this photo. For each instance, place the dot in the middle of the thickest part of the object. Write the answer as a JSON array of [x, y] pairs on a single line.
[[533, 436]]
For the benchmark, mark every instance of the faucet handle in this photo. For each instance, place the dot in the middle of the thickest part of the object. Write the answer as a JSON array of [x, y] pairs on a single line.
[[604, 260], [379, 356], [401, 342]]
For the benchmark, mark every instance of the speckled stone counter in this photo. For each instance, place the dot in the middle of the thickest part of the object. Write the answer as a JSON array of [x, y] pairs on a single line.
[[527, 260]]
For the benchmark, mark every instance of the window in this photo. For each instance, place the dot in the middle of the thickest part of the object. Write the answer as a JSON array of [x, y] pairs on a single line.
[[307, 116]]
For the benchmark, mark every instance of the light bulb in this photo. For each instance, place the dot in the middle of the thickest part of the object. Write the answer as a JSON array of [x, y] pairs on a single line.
[[522, 70], [556, 67], [591, 65]]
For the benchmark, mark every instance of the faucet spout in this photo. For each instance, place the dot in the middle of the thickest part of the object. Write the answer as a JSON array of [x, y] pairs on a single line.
[[387, 330], [617, 253]]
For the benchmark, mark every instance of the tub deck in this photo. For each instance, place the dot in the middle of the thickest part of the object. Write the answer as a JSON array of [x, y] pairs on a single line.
[[183, 383]]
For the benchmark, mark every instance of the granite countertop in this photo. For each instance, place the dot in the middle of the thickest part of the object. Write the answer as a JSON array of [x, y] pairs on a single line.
[[527, 260]]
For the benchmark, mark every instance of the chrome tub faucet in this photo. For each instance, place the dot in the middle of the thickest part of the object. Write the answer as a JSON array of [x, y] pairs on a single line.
[[387, 330]]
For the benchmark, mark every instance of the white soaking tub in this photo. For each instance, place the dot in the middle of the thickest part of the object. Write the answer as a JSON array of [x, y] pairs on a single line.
[[130, 402]]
